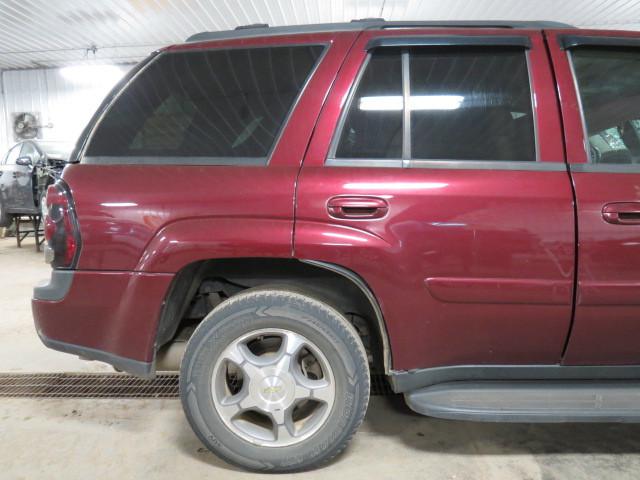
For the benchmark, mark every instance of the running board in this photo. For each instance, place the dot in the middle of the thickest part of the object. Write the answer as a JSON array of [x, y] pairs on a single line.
[[538, 401]]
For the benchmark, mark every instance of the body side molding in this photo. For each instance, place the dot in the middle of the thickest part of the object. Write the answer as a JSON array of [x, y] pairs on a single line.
[[406, 381]]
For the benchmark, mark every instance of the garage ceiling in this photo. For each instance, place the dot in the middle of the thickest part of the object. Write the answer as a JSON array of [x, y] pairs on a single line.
[[53, 33]]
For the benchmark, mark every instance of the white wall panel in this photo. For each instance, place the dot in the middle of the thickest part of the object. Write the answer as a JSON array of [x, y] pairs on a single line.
[[71, 32], [127, 30], [62, 102], [4, 142]]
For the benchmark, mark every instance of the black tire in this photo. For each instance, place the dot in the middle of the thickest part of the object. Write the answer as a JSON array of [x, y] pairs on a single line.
[[283, 309], [5, 219]]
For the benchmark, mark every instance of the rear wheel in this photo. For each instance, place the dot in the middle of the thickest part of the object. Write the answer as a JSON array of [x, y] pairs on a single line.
[[5, 218], [275, 380]]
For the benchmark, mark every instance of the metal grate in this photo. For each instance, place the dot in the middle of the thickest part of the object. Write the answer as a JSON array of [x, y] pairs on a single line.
[[110, 385]]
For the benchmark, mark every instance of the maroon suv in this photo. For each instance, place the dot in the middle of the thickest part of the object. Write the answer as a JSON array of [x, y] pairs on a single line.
[[455, 206]]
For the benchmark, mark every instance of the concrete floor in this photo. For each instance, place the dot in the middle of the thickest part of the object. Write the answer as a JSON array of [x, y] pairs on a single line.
[[133, 439]]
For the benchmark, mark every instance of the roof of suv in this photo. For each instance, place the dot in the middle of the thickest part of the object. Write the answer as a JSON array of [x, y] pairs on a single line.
[[263, 30]]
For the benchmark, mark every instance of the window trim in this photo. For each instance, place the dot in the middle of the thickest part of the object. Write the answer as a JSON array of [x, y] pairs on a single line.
[[568, 42], [406, 161], [590, 165], [195, 160], [585, 135], [406, 112], [450, 40]]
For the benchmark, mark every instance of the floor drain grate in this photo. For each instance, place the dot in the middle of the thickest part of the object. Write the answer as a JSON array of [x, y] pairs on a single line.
[[109, 385]]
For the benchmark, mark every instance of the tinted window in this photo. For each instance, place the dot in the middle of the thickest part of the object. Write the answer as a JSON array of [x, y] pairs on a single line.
[[216, 103], [466, 103], [609, 85], [470, 103], [29, 150], [373, 126], [13, 155]]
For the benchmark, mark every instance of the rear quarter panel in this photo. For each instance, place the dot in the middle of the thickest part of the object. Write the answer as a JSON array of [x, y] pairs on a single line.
[[159, 218]]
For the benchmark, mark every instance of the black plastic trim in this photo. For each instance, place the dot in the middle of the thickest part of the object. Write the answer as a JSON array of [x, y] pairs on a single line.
[[362, 285], [179, 160], [56, 288], [537, 401], [605, 167], [406, 381], [134, 367], [367, 24], [571, 41], [450, 40], [524, 165]]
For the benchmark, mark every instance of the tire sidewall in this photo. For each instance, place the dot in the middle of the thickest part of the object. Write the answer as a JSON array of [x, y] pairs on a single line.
[[291, 311], [5, 218]]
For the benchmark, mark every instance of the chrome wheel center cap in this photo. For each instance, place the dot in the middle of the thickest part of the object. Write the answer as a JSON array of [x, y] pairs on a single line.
[[274, 391]]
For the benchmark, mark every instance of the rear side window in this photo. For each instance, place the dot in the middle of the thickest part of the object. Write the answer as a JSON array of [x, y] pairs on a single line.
[[29, 150], [213, 104], [464, 103], [471, 103], [609, 85], [373, 126]]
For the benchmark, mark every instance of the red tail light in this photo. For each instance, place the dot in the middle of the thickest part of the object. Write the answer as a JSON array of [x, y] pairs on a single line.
[[61, 227]]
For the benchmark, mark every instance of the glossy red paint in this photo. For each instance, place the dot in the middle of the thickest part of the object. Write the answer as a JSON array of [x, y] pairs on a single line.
[[496, 231], [109, 311], [120, 221], [606, 323], [499, 290], [160, 218], [469, 266], [184, 214]]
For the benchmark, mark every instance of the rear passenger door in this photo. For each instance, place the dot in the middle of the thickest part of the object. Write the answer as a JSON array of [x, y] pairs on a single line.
[[438, 176], [599, 81]]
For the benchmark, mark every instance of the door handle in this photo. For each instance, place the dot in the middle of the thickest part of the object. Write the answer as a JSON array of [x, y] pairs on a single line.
[[622, 213], [355, 208]]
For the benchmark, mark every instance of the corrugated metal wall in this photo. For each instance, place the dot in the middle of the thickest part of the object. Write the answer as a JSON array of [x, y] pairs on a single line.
[[52, 33], [3, 127], [63, 103]]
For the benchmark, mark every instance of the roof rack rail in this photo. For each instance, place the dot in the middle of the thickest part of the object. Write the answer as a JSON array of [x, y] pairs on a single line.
[[263, 29], [530, 24], [367, 19], [252, 25]]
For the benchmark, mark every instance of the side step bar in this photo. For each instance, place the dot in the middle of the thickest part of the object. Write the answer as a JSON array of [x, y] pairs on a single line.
[[530, 401]]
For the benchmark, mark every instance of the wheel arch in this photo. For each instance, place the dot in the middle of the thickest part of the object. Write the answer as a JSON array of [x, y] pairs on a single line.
[[359, 282], [349, 293]]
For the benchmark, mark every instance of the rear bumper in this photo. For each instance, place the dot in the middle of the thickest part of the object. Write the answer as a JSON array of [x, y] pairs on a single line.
[[107, 316], [134, 367]]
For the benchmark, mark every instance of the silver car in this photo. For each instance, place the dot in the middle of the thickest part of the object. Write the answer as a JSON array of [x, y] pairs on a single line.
[[25, 173]]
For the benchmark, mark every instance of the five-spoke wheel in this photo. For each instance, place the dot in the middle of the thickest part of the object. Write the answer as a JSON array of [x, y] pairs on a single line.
[[275, 380], [273, 387]]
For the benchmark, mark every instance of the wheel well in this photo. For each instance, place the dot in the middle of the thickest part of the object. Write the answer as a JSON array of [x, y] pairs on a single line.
[[200, 286]]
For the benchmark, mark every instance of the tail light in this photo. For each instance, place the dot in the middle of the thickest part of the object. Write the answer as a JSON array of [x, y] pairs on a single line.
[[61, 228]]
